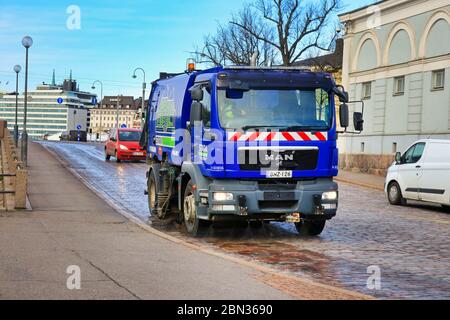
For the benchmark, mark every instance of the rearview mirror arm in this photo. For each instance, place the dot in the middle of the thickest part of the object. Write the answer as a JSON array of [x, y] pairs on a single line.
[[362, 112]]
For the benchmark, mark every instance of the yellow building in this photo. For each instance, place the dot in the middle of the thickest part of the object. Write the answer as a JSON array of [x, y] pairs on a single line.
[[104, 116]]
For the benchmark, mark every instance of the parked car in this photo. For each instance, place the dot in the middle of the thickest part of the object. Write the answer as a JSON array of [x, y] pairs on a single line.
[[123, 144], [422, 173]]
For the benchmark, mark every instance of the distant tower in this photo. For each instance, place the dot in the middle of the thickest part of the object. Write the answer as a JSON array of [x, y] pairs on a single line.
[[53, 78], [70, 77]]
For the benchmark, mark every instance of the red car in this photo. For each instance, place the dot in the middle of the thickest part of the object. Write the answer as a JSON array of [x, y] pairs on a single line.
[[123, 144]]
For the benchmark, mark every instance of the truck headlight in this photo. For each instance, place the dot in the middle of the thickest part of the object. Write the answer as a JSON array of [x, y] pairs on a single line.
[[330, 196], [123, 148], [222, 196]]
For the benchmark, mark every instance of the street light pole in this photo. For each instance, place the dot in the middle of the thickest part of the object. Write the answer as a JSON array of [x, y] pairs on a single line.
[[101, 104], [117, 116], [144, 86], [27, 42], [17, 70]]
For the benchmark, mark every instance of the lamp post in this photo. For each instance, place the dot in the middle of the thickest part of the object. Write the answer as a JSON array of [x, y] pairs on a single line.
[[144, 86], [119, 98], [17, 70], [101, 104], [27, 42]]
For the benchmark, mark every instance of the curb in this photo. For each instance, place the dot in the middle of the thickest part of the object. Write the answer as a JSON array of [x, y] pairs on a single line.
[[360, 184], [344, 293]]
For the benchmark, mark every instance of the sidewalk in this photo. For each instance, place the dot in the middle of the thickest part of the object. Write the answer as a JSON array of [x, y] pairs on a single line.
[[70, 225], [361, 179]]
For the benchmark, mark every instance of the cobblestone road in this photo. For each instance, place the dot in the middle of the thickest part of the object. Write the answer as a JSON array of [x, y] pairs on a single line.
[[410, 245]]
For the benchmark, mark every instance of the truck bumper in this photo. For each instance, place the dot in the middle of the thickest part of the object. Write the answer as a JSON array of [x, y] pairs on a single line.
[[253, 200]]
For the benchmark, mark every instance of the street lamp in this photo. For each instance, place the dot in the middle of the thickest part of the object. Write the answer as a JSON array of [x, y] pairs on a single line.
[[119, 100], [17, 70], [27, 42], [101, 104], [144, 86]]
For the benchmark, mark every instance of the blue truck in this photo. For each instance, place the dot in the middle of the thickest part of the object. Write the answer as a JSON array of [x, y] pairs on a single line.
[[245, 144]]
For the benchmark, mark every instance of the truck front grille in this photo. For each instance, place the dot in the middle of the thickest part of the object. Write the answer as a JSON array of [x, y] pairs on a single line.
[[255, 160]]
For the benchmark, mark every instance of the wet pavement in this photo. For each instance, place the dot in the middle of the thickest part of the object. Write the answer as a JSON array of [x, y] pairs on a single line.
[[410, 245]]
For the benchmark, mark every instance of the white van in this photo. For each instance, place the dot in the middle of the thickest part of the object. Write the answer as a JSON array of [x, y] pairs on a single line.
[[421, 173]]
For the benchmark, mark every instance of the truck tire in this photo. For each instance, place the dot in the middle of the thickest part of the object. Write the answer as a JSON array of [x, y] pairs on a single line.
[[446, 208], [107, 156], [310, 227], [395, 196], [193, 225], [152, 193]]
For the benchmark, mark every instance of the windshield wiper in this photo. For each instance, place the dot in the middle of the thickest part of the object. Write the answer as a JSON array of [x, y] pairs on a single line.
[[259, 127], [294, 128]]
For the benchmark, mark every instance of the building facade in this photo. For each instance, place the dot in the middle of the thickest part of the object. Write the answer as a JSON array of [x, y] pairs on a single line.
[[51, 109], [104, 116], [397, 60]]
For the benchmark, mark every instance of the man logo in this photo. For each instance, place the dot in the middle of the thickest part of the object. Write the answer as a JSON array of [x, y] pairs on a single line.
[[279, 157]]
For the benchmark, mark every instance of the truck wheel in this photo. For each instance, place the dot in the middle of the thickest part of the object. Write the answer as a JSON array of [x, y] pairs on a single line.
[[194, 226], [152, 194], [395, 194], [446, 208], [310, 227]]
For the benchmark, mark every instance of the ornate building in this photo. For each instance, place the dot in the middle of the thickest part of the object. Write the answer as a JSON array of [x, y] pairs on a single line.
[[397, 60]]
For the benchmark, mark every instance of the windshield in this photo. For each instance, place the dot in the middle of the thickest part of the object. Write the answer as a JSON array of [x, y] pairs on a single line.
[[129, 136], [284, 109]]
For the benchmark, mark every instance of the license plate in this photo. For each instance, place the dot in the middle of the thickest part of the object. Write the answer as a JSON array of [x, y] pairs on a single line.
[[278, 174], [138, 154]]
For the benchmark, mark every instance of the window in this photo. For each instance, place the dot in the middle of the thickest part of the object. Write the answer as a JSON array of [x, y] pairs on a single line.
[[363, 147], [206, 102], [438, 79], [127, 136], [283, 109], [366, 90], [399, 86], [414, 154], [418, 152]]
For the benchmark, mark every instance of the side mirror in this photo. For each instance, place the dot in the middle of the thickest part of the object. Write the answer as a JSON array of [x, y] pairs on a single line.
[[398, 158], [358, 121], [196, 93], [196, 113], [343, 115]]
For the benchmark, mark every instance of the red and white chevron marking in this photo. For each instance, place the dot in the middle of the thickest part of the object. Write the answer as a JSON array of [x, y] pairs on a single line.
[[277, 136]]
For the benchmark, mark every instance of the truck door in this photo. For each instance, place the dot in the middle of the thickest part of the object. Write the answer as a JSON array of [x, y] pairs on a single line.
[[202, 150], [409, 171]]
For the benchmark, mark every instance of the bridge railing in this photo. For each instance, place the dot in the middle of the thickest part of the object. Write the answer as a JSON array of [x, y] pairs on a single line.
[[13, 175]]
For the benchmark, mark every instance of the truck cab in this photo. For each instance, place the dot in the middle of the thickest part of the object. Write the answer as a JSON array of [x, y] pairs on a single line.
[[243, 143]]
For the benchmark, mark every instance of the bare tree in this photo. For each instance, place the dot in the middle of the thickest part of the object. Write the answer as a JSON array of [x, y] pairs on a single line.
[[293, 29], [234, 45]]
